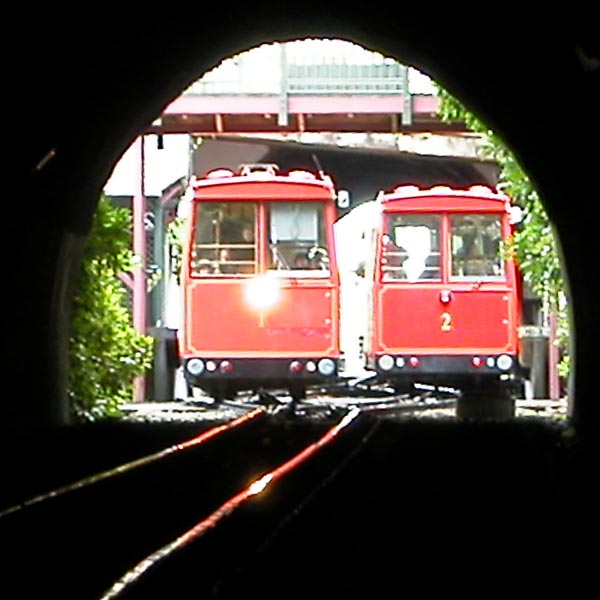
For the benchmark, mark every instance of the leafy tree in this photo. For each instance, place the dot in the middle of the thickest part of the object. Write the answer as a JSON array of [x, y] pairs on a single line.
[[106, 351], [175, 239], [534, 243]]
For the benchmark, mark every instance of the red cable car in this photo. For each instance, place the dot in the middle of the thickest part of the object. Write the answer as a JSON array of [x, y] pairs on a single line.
[[445, 303], [260, 282]]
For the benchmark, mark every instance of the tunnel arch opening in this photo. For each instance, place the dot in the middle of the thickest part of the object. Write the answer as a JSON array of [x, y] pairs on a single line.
[[131, 112], [269, 42]]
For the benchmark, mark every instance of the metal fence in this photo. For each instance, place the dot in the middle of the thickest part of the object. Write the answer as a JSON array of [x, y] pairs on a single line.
[[345, 78], [278, 69]]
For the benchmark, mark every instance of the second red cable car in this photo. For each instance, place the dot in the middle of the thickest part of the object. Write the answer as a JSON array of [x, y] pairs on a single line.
[[445, 301]]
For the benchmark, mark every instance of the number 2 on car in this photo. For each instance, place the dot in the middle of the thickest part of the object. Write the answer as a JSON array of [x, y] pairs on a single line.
[[446, 321]]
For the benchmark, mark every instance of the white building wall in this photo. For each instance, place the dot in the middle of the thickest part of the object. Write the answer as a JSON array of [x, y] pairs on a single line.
[[163, 166]]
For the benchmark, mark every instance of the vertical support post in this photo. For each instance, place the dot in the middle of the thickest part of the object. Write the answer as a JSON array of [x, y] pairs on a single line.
[[553, 357], [283, 116], [406, 98], [139, 249], [159, 258]]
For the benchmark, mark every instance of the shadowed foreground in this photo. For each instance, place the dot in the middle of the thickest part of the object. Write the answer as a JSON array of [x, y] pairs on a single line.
[[392, 507]]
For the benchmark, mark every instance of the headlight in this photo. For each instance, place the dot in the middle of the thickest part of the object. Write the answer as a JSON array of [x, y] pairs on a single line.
[[504, 362], [263, 292], [386, 362], [326, 366], [195, 366]]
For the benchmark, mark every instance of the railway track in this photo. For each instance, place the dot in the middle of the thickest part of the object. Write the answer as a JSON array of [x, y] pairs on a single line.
[[320, 403], [134, 509], [342, 502], [323, 403]]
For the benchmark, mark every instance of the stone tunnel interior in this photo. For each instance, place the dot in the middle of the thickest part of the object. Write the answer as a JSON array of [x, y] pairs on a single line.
[[77, 117], [77, 136]]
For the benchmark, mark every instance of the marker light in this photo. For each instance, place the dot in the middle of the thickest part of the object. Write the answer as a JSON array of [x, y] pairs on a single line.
[[263, 291], [211, 365], [225, 367], [195, 366], [218, 173], [311, 367], [296, 366], [299, 174], [400, 362], [477, 362], [504, 362], [386, 362], [414, 362], [326, 366]]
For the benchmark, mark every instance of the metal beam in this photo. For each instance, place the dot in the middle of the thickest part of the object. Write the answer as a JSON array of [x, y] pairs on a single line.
[[270, 104]]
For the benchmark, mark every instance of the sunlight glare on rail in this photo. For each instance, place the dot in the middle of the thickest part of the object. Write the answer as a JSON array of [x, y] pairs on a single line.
[[228, 507], [199, 439], [260, 485]]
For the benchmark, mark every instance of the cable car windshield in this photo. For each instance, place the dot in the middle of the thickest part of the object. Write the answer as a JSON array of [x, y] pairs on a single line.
[[476, 243], [224, 239], [227, 239], [297, 239], [411, 248]]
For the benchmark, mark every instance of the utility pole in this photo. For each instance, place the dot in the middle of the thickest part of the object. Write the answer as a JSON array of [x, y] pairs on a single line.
[[139, 249]]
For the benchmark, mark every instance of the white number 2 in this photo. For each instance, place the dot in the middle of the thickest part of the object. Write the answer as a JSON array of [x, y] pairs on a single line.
[[446, 321]]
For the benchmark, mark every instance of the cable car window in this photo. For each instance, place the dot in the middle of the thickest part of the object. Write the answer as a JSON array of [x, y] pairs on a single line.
[[225, 239], [410, 248], [476, 241], [297, 240]]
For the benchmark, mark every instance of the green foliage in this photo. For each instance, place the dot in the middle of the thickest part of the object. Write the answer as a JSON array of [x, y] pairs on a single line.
[[106, 352], [534, 243], [175, 239]]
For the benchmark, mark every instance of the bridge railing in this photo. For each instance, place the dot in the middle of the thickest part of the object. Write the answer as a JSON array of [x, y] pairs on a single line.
[[279, 69], [346, 79], [312, 79]]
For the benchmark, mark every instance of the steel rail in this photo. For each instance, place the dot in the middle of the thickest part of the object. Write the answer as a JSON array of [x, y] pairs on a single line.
[[195, 441], [255, 488]]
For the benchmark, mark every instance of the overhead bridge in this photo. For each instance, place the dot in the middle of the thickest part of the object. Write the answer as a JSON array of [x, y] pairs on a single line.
[[282, 96]]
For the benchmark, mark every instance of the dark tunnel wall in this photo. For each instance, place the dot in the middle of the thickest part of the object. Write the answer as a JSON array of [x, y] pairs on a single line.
[[85, 89]]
